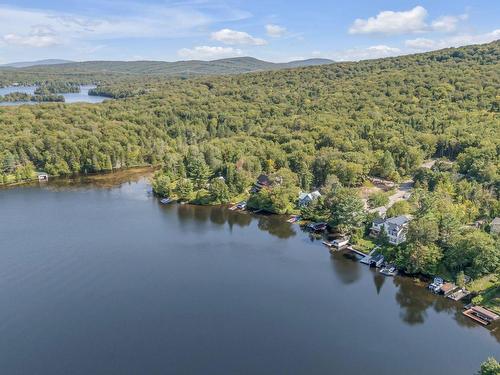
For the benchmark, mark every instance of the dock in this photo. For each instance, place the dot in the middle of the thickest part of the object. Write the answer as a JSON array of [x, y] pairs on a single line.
[[458, 295], [366, 258], [481, 315]]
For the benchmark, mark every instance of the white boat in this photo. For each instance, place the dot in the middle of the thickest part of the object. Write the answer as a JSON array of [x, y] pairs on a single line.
[[165, 200], [389, 271], [436, 285]]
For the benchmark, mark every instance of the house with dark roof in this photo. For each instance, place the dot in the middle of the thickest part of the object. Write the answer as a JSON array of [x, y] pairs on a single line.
[[262, 181], [395, 227]]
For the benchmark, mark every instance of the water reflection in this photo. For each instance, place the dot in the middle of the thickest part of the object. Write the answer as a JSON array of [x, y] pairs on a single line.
[[219, 215], [413, 299], [276, 226], [378, 280], [347, 272]]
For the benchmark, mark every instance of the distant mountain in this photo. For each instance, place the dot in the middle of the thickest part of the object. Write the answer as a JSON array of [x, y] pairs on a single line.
[[308, 62], [178, 68], [25, 64]]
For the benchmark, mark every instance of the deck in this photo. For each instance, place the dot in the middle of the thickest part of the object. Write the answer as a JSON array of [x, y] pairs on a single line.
[[469, 313]]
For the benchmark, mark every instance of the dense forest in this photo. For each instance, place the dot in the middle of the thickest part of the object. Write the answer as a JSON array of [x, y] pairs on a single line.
[[328, 127]]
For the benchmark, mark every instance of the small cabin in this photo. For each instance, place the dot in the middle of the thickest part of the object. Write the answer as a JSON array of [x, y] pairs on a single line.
[[377, 260], [340, 243], [42, 176]]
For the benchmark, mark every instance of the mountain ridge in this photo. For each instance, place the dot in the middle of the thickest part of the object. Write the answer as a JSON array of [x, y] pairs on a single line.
[[177, 68]]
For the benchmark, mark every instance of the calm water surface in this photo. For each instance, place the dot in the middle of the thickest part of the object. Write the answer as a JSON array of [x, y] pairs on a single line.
[[81, 97], [98, 278]]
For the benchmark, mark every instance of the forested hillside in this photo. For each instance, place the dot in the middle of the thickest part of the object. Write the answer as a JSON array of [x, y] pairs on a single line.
[[328, 127], [178, 68]]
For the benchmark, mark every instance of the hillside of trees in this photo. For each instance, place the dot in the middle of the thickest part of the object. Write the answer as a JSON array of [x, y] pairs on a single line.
[[328, 127], [234, 65]]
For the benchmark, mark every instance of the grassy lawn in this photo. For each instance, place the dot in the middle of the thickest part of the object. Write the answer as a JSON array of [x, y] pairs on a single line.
[[491, 299], [365, 245], [488, 288], [482, 284]]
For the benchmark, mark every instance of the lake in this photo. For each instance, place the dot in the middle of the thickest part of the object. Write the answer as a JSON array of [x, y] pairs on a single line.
[[80, 97], [98, 278]]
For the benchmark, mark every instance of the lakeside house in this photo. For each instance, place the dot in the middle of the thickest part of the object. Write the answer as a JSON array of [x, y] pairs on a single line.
[[262, 182], [495, 225], [395, 227], [307, 198]]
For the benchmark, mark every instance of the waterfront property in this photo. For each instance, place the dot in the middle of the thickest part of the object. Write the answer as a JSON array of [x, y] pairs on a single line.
[[395, 228], [42, 176], [307, 198], [377, 260], [186, 277], [262, 182], [481, 315], [448, 288]]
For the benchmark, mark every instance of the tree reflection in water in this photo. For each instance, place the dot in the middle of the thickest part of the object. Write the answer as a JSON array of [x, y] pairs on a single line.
[[378, 280], [276, 226], [346, 272], [413, 299]]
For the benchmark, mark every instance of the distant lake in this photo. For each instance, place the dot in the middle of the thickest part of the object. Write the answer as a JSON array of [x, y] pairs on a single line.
[[97, 277], [81, 97]]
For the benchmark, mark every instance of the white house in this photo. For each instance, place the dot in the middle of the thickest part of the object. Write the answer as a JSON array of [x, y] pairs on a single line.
[[395, 227], [306, 198]]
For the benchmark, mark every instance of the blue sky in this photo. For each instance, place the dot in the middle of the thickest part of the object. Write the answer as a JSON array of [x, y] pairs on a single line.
[[277, 30]]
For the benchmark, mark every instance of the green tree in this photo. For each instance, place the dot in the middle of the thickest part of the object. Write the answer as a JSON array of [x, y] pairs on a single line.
[[198, 170], [219, 192], [490, 367], [346, 210], [399, 208], [415, 257], [184, 189], [162, 184]]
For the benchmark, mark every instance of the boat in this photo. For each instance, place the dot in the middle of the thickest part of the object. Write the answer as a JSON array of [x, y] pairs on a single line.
[[242, 205], [294, 219], [165, 200], [389, 270], [317, 227], [436, 285]]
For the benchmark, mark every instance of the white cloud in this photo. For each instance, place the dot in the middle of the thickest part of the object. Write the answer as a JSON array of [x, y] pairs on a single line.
[[424, 44], [152, 22], [228, 36], [37, 41], [389, 22], [275, 31], [209, 52], [373, 52], [447, 23]]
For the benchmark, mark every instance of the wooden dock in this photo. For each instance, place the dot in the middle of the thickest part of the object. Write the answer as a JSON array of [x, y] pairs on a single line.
[[458, 295]]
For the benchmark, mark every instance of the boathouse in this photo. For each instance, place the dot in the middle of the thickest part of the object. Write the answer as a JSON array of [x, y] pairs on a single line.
[[481, 315], [42, 176]]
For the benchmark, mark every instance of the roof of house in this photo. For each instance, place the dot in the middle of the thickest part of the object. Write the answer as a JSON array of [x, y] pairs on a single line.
[[263, 179], [485, 312], [448, 287], [398, 220], [378, 220], [315, 194], [303, 195], [496, 221]]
